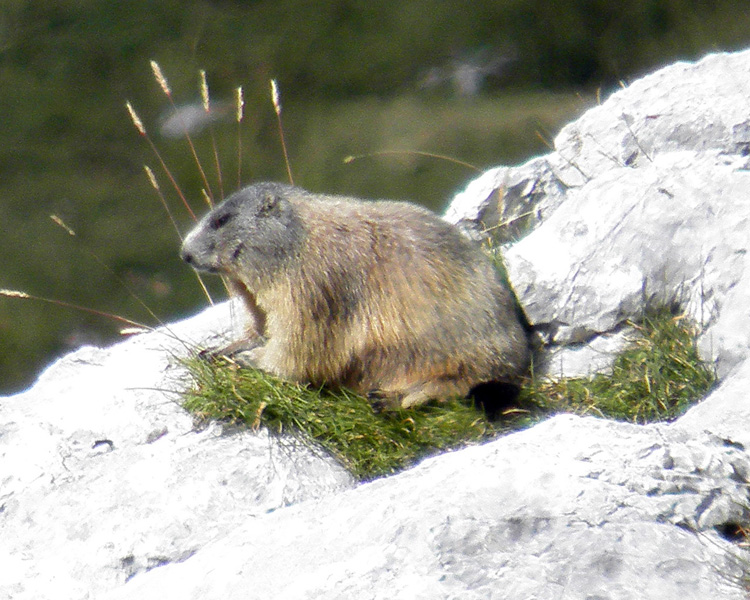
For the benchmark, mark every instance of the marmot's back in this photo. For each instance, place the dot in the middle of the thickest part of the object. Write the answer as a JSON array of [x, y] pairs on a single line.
[[383, 297]]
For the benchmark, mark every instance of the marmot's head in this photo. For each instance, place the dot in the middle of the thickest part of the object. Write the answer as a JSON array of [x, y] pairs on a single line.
[[251, 233]]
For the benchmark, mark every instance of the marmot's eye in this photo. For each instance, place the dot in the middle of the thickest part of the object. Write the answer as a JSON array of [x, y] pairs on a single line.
[[268, 205], [220, 220]]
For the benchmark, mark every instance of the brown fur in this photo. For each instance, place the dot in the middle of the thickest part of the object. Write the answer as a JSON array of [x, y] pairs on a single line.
[[381, 297]]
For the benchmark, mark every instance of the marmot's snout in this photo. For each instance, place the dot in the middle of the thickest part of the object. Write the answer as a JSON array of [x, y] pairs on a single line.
[[186, 256], [196, 257]]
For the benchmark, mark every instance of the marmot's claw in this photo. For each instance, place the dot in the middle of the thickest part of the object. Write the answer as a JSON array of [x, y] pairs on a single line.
[[246, 358], [383, 401], [209, 354], [245, 353]]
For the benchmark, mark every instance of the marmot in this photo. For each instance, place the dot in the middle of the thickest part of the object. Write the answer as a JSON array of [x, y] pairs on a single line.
[[382, 297]]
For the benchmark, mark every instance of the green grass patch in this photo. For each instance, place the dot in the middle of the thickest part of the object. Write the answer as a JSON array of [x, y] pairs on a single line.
[[369, 445], [655, 379]]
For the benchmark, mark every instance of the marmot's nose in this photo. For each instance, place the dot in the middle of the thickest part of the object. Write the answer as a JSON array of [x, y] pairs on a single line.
[[187, 256]]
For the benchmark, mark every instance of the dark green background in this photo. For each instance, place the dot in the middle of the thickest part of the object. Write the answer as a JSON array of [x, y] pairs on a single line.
[[349, 73]]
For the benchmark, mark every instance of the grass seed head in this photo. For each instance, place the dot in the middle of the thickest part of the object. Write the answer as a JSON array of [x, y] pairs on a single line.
[[275, 97], [160, 79], [151, 177], [14, 294], [136, 120], [134, 330], [204, 92], [240, 104], [58, 221]]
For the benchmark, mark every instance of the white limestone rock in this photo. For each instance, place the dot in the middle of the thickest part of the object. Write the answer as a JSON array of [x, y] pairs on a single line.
[[644, 200], [103, 475], [572, 508]]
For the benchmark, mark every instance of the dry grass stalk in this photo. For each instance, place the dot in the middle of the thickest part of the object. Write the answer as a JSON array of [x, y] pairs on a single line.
[[204, 92], [142, 130], [155, 185], [26, 296], [152, 178], [275, 97], [133, 330], [136, 119], [14, 294], [207, 108], [277, 107], [239, 106], [162, 81], [352, 158], [62, 224]]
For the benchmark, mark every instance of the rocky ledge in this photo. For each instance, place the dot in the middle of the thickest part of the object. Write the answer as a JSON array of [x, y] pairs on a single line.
[[108, 491]]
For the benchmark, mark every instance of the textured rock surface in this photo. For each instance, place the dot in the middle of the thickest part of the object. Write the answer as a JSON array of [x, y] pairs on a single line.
[[573, 508], [102, 475], [644, 200]]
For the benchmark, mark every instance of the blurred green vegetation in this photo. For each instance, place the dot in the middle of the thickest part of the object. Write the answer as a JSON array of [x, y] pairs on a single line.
[[354, 80]]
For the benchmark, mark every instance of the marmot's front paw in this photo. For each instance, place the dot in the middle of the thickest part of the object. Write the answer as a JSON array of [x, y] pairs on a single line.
[[246, 353], [251, 359], [210, 354]]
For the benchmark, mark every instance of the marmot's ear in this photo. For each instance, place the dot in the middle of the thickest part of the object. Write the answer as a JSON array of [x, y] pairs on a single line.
[[219, 220], [269, 205]]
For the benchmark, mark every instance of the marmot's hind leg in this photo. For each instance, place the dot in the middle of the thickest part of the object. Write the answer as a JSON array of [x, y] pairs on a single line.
[[437, 389]]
